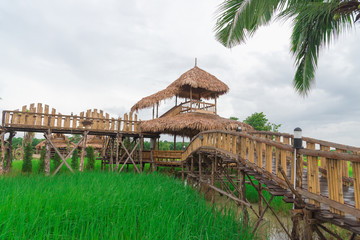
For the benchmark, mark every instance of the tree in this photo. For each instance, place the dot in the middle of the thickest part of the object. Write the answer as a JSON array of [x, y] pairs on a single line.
[[90, 158], [42, 160], [315, 24], [27, 163], [75, 160], [261, 123], [57, 160]]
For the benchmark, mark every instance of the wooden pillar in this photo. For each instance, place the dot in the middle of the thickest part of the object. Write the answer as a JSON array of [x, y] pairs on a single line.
[[261, 204], [9, 155], [140, 153], [200, 166], [213, 179], [153, 115], [174, 142], [215, 106], [82, 157], [118, 138], [2, 163], [47, 155], [190, 99], [111, 162], [243, 197], [182, 171], [157, 110]]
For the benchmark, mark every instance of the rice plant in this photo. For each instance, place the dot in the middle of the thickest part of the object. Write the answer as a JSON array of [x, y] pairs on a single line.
[[97, 205]]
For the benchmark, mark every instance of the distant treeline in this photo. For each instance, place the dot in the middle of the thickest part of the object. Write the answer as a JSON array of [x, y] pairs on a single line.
[[163, 145]]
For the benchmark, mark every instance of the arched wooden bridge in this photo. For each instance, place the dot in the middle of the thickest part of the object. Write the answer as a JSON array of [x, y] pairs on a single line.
[[327, 182]]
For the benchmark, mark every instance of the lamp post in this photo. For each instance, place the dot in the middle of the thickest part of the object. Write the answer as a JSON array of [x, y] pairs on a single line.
[[297, 144]]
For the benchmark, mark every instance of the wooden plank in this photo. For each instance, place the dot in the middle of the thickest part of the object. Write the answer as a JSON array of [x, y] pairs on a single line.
[[335, 182], [15, 117], [251, 151], [81, 119], [67, 122], [113, 123], [75, 120], [313, 178], [59, 120], [23, 115], [243, 148], [95, 115], [130, 122], [323, 159], [7, 117], [233, 145], [88, 118], [259, 153], [46, 116], [107, 121], [101, 125], [333, 204], [356, 176], [39, 114], [268, 158], [283, 155], [32, 115], [125, 124], [52, 121], [345, 169]]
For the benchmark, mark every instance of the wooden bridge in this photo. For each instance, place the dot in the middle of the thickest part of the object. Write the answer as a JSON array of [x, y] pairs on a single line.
[[321, 194], [324, 184]]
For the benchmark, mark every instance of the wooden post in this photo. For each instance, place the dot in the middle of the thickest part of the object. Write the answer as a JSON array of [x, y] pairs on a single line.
[[243, 197], [2, 136], [117, 152], [82, 157], [215, 107], [157, 110], [140, 153], [213, 179], [174, 142], [9, 150], [47, 156], [111, 162]]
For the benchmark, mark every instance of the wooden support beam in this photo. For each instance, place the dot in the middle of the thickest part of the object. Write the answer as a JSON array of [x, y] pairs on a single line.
[[47, 155], [9, 151], [130, 156], [83, 147], [2, 161]]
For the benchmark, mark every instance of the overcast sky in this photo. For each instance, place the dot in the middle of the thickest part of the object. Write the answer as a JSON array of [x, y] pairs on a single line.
[[77, 55]]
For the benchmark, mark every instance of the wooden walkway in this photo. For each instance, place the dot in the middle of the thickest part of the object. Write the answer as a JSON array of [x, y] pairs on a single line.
[[322, 179], [325, 194]]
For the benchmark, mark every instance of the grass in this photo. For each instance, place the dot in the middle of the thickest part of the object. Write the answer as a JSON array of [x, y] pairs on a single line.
[[97, 205]]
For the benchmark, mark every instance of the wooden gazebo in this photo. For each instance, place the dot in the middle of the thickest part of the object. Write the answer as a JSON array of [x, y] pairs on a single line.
[[193, 115]]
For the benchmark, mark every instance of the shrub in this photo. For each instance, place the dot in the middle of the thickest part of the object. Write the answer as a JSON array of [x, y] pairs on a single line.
[[91, 158], [57, 160], [27, 164], [42, 160], [75, 160]]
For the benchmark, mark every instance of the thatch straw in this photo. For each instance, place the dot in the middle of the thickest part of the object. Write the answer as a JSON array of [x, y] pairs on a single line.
[[97, 142], [59, 140], [190, 124], [203, 84]]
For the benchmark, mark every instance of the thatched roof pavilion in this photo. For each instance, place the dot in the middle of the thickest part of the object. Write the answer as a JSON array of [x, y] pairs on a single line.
[[193, 84], [95, 141], [59, 140], [190, 124]]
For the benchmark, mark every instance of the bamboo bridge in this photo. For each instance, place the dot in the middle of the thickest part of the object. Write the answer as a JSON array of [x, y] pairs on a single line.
[[322, 180], [324, 190]]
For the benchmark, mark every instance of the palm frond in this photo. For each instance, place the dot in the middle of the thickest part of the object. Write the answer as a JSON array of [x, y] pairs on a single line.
[[239, 19], [314, 27]]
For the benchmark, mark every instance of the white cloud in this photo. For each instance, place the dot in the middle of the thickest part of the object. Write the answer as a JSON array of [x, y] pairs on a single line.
[[76, 55]]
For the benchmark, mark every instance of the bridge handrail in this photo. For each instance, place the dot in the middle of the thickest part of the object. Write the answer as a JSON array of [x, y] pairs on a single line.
[[246, 146]]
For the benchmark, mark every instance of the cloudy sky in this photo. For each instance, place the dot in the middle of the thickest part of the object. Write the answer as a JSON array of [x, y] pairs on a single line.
[[77, 55]]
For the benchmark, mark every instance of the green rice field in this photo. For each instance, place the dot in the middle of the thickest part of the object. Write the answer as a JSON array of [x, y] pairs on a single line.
[[103, 205]]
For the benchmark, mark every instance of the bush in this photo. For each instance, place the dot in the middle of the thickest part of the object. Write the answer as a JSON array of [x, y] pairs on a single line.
[[91, 158], [57, 160], [75, 160], [27, 164], [42, 160]]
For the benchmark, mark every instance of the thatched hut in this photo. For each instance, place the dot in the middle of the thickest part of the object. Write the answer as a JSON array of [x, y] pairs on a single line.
[[193, 85], [60, 141], [190, 124], [193, 115], [95, 141]]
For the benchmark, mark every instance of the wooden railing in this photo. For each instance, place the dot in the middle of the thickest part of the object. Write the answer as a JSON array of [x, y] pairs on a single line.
[[260, 152], [198, 106], [316, 144], [166, 156], [41, 118]]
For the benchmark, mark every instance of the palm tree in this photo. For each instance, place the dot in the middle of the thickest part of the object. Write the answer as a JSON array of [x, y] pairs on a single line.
[[315, 24]]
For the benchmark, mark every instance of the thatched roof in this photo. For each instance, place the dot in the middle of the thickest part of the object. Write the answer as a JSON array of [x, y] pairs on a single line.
[[190, 124], [59, 140], [96, 142], [203, 84]]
